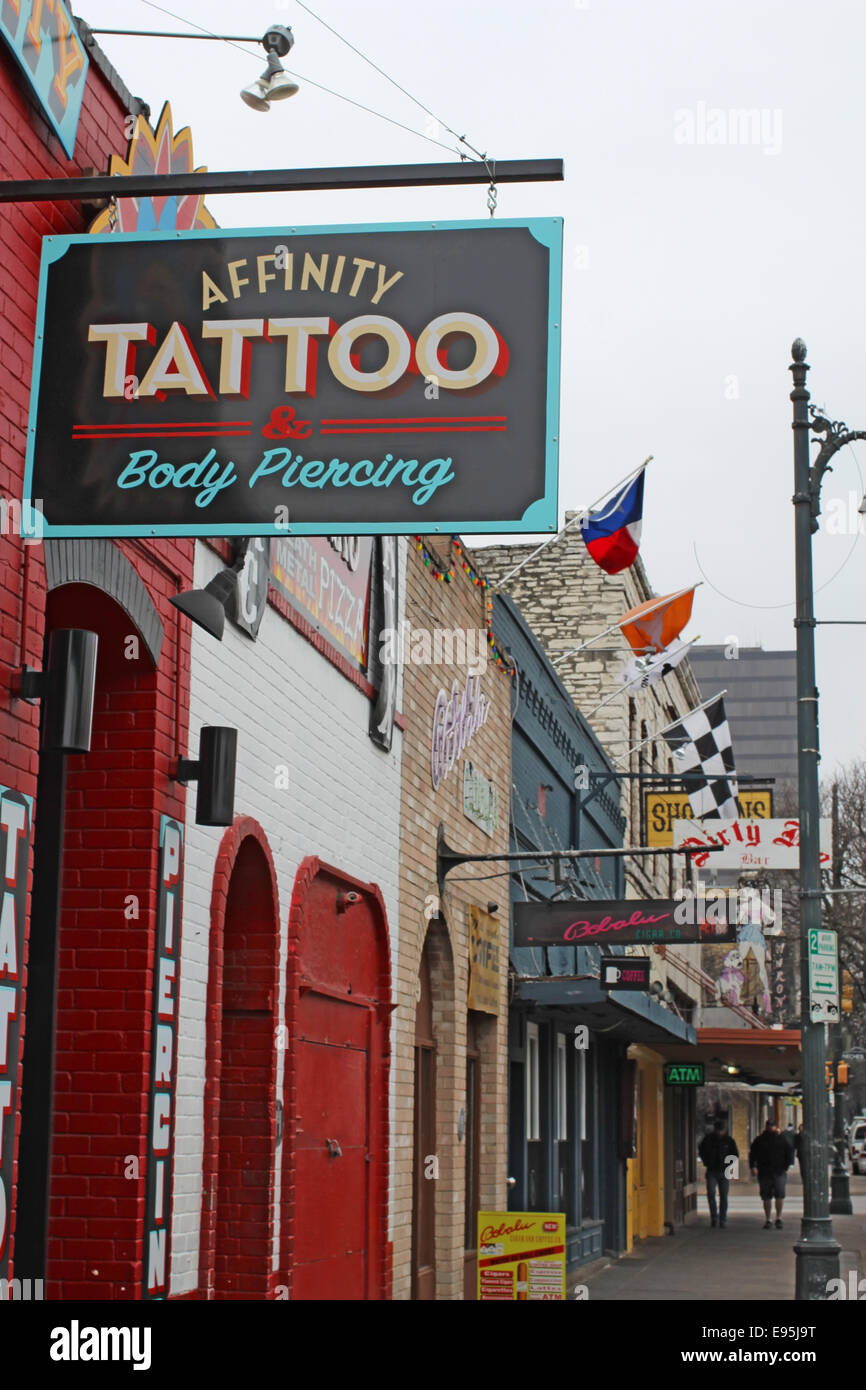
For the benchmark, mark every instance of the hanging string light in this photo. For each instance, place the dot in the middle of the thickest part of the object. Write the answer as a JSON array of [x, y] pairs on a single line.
[[444, 576], [481, 583], [433, 564]]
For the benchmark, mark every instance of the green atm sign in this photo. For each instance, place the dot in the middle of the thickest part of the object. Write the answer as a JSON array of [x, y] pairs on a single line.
[[684, 1074]]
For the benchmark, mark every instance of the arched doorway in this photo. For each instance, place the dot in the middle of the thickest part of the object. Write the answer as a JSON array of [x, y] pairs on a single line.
[[242, 1120], [89, 1007], [339, 1008]]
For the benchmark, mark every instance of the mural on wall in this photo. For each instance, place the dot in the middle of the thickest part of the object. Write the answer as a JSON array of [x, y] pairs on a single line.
[[157, 151], [755, 917]]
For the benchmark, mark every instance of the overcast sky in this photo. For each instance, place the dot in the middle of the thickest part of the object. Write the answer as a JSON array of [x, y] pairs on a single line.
[[690, 264]]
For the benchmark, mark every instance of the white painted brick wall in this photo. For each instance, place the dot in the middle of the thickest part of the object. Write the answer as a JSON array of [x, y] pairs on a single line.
[[290, 706]]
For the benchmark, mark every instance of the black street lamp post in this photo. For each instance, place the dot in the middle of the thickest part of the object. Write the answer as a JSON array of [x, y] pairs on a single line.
[[817, 1251]]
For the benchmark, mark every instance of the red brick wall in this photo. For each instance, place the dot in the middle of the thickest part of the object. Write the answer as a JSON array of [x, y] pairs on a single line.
[[117, 793]]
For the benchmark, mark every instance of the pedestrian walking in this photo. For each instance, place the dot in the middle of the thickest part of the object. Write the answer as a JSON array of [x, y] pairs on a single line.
[[715, 1149], [769, 1159], [799, 1150]]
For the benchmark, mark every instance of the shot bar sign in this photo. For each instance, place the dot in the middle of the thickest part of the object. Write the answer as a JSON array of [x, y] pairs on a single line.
[[390, 380]]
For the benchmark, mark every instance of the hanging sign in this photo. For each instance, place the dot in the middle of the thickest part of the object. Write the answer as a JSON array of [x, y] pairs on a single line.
[[345, 380], [600, 922], [44, 39], [663, 809], [16, 820], [521, 1256], [161, 1123], [484, 974], [625, 972], [684, 1073], [750, 844]]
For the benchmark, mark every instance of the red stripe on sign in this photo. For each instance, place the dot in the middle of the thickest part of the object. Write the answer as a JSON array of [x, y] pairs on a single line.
[[177, 434], [412, 419], [417, 429], [176, 425], [484, 1263]]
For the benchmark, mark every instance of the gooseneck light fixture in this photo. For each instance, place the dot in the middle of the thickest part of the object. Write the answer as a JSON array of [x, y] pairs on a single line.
[[275, 84], [207, 607]]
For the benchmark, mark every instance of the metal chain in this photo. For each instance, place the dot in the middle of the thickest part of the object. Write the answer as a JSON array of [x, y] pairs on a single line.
[[491, 199]]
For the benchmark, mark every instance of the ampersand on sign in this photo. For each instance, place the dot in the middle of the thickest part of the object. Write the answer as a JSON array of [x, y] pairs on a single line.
[[284, 424]]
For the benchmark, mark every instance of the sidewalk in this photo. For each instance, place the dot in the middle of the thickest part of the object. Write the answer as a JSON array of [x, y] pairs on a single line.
[[741, 1262]]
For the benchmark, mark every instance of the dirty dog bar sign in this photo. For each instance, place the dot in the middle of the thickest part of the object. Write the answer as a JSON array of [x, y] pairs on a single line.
[[298, 382]]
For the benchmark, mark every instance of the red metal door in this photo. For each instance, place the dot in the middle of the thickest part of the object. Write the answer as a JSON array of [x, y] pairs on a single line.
[[333, 1157], [340, 1064]]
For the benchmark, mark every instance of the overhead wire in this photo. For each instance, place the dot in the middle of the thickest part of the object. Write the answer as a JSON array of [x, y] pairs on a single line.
[[393, 81], [310, 82]]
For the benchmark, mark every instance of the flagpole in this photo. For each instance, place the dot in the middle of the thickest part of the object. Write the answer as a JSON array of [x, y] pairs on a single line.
[[666, 730], [666, 598], [630, 685], [584, 512]]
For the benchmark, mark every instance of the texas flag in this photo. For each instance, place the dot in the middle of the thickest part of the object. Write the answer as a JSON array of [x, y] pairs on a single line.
[[612, 533]]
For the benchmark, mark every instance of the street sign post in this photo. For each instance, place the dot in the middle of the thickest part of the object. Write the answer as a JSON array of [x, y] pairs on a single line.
[[823, 976]]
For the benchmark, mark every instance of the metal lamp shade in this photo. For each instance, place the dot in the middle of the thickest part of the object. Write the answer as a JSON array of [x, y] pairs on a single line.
[[207, 607]]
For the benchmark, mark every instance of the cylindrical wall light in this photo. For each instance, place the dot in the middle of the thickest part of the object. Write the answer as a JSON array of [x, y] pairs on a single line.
[[67, 687], [215, 774]]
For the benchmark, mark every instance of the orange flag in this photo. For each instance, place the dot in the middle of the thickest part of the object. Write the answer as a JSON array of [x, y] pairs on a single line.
[[653, 625]]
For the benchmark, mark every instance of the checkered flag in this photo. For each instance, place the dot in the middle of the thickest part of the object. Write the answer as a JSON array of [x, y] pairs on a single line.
[[701, 743]]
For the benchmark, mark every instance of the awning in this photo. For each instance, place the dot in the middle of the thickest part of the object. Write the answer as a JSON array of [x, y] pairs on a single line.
[[769, 1055], [624, 1014]]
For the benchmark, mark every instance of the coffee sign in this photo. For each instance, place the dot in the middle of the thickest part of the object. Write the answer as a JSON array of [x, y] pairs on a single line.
[[390, 380]]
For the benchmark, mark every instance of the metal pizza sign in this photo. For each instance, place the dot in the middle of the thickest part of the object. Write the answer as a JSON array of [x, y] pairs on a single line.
[[330, 380]]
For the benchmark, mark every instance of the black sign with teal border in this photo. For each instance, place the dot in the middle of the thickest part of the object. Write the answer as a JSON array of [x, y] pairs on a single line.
[[389, 380]]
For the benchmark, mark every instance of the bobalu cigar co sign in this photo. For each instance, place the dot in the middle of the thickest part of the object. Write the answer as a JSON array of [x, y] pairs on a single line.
[[299, 381]]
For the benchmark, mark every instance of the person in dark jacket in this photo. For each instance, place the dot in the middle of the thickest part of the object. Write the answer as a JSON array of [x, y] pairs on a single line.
[[716, 1151], [800, 1150], [770, 1158]]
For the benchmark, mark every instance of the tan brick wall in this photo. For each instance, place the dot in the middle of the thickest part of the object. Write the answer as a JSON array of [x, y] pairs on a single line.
[[431, 604]]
